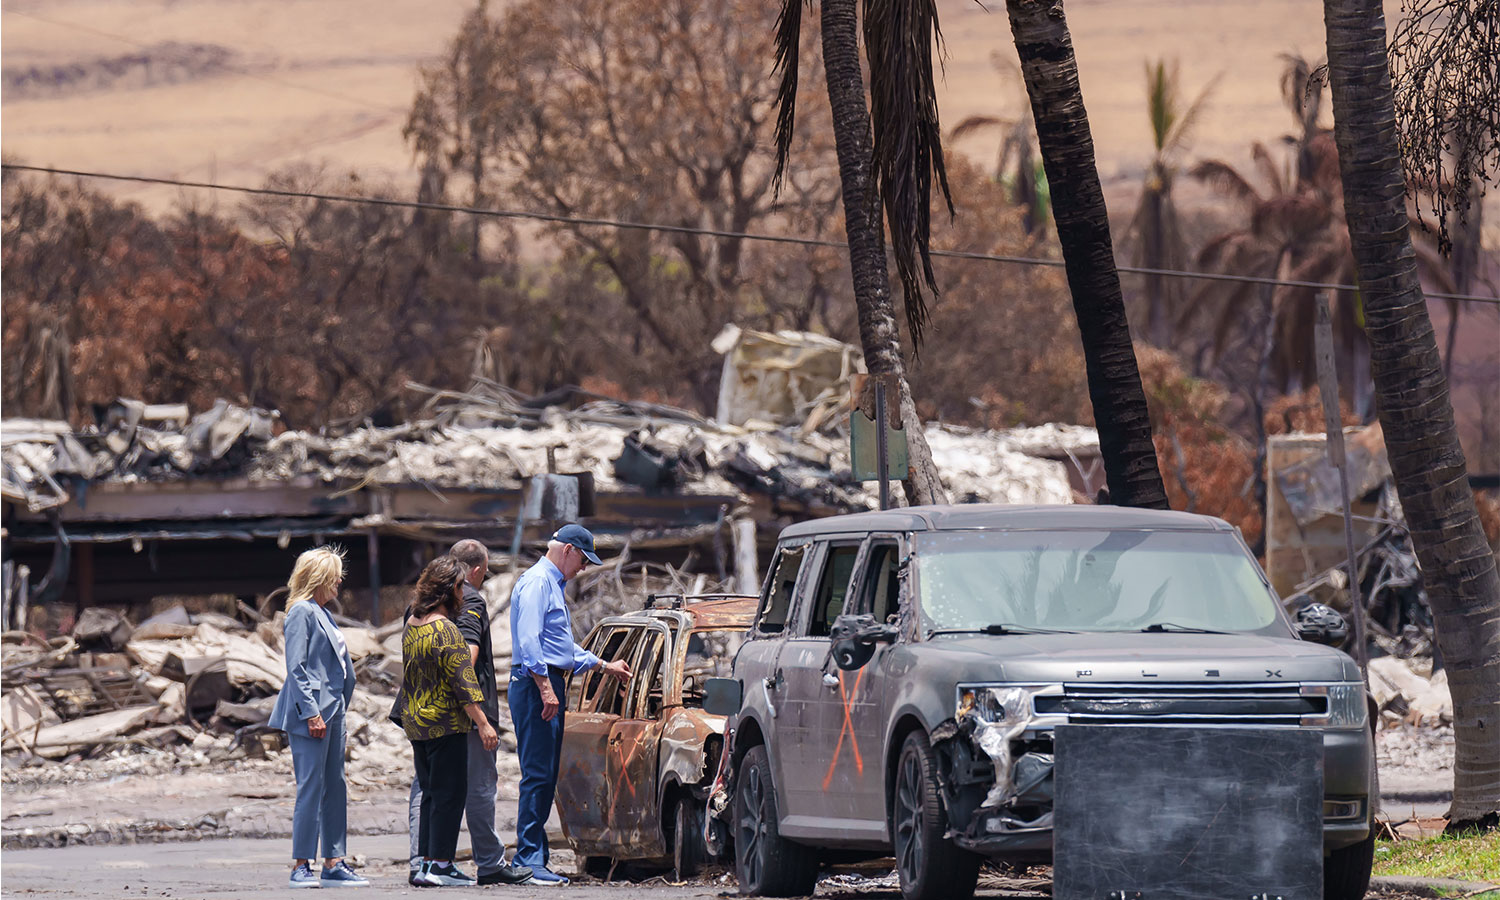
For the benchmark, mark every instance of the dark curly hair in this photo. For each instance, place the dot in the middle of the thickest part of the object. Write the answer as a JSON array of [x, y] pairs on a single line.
[[435, 587]]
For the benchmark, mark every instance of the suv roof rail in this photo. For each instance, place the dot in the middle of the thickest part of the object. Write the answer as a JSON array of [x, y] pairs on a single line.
[[677, 601]]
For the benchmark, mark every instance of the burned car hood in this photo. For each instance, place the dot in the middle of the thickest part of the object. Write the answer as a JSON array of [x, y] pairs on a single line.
[[1130, 656]]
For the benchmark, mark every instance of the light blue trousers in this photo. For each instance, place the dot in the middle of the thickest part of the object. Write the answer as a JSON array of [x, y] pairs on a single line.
[[322, 795]]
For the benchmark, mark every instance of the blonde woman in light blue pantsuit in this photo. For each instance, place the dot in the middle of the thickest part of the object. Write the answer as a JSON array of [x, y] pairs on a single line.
[[310, 709]]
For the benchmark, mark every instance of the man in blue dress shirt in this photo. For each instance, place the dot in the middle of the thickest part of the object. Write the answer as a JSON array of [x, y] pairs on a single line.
[[543, 653]]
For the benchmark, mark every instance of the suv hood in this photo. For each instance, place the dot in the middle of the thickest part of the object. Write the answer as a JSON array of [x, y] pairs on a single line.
[[1135, 657]]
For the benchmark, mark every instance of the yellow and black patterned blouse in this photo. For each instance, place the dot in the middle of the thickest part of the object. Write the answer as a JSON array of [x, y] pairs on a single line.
[[437, 681]]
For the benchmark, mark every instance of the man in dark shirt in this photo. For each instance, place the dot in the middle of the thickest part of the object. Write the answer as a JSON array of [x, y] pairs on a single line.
[[479, 810]]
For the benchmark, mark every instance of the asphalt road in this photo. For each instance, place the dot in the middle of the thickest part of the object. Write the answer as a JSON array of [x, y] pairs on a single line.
[[257, 868]]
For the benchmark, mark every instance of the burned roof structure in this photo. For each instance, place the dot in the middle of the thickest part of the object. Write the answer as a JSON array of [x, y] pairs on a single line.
[[148, 482]]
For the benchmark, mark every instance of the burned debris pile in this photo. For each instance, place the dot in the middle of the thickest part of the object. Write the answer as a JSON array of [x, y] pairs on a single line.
[[202, 681]]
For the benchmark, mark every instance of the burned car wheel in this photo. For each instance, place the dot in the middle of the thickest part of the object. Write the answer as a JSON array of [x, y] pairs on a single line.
[[766, 864], [688, 852], [930, 866]]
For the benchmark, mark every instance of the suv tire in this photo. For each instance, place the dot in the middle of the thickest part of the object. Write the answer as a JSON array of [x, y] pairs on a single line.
[[766, 864], [1346, 871], [930, 866]]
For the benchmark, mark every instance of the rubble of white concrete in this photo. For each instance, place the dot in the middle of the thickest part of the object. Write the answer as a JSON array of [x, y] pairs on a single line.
[[491, 440]]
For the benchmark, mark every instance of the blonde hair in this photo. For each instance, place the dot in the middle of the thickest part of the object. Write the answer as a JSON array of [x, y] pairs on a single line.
[[316, 569]]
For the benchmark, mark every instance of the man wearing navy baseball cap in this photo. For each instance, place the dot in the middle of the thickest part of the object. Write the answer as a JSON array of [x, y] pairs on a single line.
[[543, 652]]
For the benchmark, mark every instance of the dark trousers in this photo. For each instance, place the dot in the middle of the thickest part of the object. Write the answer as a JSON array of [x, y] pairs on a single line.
[[539, 745], [442, 771]]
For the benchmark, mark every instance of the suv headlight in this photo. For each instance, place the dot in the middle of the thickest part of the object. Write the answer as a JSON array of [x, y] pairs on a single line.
[[1346, 704], [994, 705]]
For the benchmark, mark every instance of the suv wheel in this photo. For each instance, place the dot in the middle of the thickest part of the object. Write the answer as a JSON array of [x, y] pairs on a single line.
[[1346, 871], [766, 864], [930, 866]]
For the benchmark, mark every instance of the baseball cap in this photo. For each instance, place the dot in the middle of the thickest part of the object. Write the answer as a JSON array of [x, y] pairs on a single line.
[[579, 537]]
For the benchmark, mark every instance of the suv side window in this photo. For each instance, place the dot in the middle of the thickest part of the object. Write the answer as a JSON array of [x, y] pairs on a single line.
[[781, 587], [880, 589], [833, 588]]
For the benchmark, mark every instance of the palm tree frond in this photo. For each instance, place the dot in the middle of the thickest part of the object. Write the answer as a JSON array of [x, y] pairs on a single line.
[[1267, 167], [908, 146], [1161, 101], [1182, 129], [972, 124], [1225, 179], [788, 46]]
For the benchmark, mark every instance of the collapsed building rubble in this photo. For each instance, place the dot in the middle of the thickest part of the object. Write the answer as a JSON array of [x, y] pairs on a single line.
[[1307, 562], [147, 504]]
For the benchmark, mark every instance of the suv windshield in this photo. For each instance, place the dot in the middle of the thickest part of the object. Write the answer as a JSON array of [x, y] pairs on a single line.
[[1091, 581]]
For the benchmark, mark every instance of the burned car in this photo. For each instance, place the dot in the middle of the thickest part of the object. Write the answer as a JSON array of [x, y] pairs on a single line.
[[638, 757], [900, 687]]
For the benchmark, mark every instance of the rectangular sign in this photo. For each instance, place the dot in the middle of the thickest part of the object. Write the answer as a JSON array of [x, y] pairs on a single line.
[[1187, 813]]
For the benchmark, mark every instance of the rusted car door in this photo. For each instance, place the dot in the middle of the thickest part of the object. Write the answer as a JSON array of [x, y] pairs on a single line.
[[634, 745], [595, 704]]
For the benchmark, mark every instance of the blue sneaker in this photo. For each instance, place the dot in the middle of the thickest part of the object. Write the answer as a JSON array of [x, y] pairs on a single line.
[[303, 877], [342, 876], [545, 877], [445, 875]]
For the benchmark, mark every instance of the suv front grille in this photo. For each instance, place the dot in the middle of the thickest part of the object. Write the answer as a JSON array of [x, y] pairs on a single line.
[[1182, 704]]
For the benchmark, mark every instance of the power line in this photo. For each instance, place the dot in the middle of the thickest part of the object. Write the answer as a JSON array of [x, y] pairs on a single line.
[[689, 229]]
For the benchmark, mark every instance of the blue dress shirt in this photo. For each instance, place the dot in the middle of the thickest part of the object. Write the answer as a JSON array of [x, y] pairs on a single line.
[[541, 630]]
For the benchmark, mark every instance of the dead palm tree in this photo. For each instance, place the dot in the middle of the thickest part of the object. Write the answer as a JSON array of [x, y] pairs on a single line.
[[1154, 234], [893, 171], [1458, 568], [1067, 147], [1293, 229], [1016, 165]]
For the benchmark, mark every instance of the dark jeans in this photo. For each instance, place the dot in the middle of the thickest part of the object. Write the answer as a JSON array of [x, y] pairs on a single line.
[[539, 744], [442, 771]]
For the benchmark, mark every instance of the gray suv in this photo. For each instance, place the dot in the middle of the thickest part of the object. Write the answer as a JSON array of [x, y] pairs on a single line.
[[905, 671]]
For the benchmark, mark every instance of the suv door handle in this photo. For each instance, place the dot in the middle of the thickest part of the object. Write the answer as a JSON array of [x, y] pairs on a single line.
[[774, 681], [616, 738], [830, 681]]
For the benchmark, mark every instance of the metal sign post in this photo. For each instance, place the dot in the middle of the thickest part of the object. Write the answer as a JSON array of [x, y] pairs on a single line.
[[882, 464], [877, 443], [1328, 387]]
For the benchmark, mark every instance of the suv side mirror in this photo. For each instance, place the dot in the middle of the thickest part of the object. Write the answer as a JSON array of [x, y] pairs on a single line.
[[855, 637], [722, 696], [1321, 624]]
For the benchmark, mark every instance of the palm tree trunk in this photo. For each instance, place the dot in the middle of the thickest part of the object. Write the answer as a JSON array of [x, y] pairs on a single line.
[[1458, 569], [866, 234], [1062, 128]]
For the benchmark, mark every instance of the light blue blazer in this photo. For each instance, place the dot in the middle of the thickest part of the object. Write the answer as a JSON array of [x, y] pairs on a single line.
[[319, 678]]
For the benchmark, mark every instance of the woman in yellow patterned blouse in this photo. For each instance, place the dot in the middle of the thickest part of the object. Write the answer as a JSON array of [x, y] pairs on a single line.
[[439, 703]]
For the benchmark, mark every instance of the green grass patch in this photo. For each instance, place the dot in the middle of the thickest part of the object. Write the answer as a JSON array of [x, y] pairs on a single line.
[[1472, 856]]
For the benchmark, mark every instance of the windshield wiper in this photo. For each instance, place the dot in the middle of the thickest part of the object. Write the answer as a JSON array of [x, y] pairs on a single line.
[[1000, 628], [1166, 627]]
